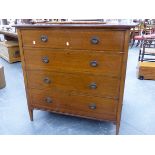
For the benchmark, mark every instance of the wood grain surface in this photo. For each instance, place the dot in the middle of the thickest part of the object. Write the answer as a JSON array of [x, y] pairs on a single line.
[[74, 82], [61, 63], [74, 61], [77, 39]]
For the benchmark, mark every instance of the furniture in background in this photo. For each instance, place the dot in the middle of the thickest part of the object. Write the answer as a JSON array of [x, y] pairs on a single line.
[[9, 50], [75, 69], [136, 31], [2, 77], [9, 35], [142, 31], [146, 64], [147, 50], [146, 70]]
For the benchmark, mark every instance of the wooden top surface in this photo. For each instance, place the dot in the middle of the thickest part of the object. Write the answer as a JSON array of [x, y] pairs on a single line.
[[78, 25]]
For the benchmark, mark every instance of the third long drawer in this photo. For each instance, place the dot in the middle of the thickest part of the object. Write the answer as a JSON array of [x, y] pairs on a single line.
[[84, 83]]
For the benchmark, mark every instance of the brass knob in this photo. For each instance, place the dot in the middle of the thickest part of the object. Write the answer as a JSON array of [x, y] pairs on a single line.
[[47, 80], [48, 100], [95, 40], [43, 38], [93, 64], [92, 106], [93, 85], [45, 59]]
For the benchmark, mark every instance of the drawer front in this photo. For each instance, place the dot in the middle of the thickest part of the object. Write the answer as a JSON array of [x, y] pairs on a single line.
[[74, 60], [74, 39], [37, 38], [14, 52], [96, 40], [87, 105], [82, 83], [44, 99]]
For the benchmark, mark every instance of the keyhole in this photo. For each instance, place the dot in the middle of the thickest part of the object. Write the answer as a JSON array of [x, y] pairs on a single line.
[[67, 43]]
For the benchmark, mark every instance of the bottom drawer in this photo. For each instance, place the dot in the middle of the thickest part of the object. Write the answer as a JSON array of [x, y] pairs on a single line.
[[44, 99], [87, 106]]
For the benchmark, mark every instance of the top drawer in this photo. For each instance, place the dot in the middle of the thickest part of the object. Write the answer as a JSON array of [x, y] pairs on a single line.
[[74, 39]]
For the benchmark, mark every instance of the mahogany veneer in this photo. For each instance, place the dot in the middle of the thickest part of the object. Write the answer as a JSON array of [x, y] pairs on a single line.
[[75, 69]]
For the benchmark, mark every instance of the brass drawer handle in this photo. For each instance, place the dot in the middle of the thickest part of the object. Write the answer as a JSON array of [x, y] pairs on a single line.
[[43, 38], [48, 100], [47, 80], [45, 59], [95, 40], [93, 85], [93, 64], [92, 106]]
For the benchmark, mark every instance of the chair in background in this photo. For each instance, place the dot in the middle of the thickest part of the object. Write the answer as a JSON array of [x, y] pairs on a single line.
[[147, 50], [142, 31]]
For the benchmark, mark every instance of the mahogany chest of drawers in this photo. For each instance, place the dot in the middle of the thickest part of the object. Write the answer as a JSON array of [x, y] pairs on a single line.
[[75, 69]]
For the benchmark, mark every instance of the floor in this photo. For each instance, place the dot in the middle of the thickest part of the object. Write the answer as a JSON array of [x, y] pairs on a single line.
[[138, 111]]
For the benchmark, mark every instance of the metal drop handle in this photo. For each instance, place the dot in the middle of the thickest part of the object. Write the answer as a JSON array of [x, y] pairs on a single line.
[[45, 59], [47, 80], [93, 85], [95, 40], [93, 63], [92, 106], [48, 100], [43, 38]]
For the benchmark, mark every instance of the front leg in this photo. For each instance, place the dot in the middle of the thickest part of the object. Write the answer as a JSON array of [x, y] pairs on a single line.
[[31, 113]]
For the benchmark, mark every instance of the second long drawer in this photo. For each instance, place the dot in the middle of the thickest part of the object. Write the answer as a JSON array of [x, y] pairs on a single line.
[[107, 63], [85, 83]]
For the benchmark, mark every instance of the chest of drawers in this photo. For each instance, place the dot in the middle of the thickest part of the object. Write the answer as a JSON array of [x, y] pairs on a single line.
[[75, 69]]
